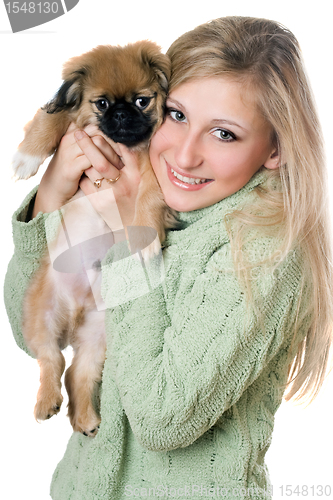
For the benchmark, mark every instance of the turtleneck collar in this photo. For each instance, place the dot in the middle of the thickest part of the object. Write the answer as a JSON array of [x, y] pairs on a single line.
[[226, 204]]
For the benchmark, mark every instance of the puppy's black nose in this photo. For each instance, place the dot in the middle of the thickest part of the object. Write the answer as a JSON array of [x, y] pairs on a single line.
[[120, 115]]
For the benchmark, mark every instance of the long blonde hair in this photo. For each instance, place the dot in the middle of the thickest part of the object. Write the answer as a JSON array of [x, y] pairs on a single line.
[[266, 57]]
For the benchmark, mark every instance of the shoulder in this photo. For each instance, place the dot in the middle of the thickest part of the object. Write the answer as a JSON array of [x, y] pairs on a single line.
[[261, 263]]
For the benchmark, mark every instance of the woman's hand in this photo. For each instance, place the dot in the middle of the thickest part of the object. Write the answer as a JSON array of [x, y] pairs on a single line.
[[110, 199], [62, 176]]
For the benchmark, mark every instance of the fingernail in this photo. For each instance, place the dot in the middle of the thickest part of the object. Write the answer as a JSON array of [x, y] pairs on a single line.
[[79, 134]]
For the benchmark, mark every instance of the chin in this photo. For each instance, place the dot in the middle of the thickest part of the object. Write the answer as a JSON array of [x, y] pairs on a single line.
[[183, 205]]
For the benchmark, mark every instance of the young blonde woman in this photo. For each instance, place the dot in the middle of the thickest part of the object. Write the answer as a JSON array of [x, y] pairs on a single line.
[[197, 367]]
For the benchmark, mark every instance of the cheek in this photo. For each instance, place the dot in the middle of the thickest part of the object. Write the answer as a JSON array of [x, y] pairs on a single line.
[[158, 145], [155, 145], [154, 153], [226, 161], [240, 160]]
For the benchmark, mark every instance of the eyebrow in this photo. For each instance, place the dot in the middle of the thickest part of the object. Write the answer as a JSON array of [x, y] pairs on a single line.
[[228, 122], [176, 103], [217, 122]]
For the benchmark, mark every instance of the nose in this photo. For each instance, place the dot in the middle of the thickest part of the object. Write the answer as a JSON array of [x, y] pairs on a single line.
[[119, 115], [189, 152]]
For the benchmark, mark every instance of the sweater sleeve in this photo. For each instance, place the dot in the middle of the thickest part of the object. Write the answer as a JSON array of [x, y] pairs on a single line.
[[178, 369], [29, 245]]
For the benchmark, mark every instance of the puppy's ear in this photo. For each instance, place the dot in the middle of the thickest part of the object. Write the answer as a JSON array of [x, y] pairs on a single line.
[[160, 63], [69, 95]]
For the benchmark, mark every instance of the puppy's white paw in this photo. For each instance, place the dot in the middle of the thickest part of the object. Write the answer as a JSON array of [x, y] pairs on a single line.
[[148, 252], [25, 165], [151, 250]]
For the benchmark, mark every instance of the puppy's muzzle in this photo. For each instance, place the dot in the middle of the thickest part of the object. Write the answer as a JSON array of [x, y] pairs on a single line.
[[126, 124], [120, 116]]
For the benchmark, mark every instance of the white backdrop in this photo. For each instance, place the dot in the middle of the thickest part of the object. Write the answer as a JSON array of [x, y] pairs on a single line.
[[31, 62]]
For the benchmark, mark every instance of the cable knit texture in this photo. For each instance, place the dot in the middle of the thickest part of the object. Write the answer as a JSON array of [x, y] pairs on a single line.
[[191, 382]]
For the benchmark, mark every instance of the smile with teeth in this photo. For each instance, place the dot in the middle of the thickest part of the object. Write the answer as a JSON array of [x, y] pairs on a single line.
[[188, 180]]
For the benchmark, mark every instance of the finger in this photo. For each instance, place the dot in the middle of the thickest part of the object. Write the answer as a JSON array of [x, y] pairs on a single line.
[[93, 130], [129, 158], [105, 144], [82, 164], [69, 151], [87, 186], [69, 138], [93, 175], [68, 141], [107, 151], [72, 127], [94, 155]]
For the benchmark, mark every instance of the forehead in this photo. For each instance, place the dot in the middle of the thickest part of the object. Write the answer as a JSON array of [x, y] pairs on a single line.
[[119, 73], [219, 98]]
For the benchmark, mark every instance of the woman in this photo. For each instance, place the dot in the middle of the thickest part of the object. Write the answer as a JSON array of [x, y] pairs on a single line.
[[197, 367]]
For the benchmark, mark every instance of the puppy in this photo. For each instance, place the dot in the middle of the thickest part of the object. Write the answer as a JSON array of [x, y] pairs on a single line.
[[122, 90]]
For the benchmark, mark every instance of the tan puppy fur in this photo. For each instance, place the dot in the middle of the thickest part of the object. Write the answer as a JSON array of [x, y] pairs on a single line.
[[59, 309], [122, 91]]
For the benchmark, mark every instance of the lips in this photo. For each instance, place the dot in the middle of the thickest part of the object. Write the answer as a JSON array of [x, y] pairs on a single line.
[[188, 180], [186, 183]]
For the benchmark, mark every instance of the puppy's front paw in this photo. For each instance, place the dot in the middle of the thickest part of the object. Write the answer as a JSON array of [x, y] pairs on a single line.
[[150, 251], [25, 165], [144, 242], [87, 424], [48, 404]]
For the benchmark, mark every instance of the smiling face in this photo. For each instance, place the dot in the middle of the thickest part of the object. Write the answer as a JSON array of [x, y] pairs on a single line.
[[211, 143]]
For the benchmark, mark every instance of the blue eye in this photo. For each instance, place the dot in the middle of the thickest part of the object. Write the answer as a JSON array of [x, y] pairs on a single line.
[[177, 115], [224, 135]]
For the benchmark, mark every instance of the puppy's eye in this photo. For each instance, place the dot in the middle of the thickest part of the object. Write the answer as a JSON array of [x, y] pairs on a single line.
[[142, 102], [102, 104]]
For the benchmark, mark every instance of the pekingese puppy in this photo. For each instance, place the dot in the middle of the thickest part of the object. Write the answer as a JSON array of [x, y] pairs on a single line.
[[122, 90]]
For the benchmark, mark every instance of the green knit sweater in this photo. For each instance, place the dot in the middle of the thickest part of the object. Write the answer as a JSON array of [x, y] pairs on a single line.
[[191, 382]]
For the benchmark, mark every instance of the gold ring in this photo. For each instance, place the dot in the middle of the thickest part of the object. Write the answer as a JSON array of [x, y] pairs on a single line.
[[112, 181], [98, 182]]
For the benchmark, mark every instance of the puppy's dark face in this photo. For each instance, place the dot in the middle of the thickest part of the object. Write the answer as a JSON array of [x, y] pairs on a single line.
[[131, 119], [120, 89]]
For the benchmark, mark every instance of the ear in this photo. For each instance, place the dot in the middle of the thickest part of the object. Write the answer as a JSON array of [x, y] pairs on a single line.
[[162, 68], [273, 161], [69, 94], [160, 63]]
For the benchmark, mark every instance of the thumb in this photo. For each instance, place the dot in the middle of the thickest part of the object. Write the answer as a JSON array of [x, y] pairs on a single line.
[[130, 158]]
